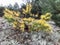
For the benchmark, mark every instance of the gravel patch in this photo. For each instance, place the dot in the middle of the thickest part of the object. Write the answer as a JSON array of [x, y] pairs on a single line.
[[12, 37]]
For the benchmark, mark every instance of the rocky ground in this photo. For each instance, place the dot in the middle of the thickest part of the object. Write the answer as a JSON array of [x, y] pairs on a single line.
[[9, 36]]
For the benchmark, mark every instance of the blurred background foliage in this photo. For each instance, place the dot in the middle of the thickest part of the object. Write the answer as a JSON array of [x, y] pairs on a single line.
[[41, 7]]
